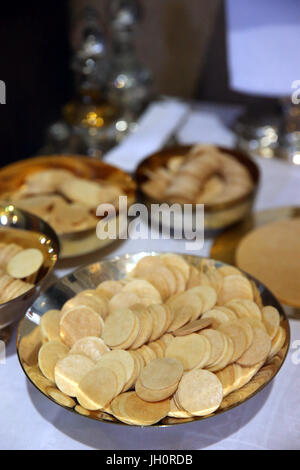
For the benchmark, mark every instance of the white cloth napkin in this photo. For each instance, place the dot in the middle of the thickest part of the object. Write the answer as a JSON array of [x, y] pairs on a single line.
[[263, 38], [154, 128]]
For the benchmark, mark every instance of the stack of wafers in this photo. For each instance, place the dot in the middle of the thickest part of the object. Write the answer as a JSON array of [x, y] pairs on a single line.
[[67, 202], [205, 175], [18, 270]]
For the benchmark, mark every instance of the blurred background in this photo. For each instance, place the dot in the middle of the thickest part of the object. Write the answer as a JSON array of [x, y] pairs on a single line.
[[176, 48]]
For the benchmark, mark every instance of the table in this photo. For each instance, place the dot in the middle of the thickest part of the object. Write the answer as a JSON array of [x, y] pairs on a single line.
[[270, 420]]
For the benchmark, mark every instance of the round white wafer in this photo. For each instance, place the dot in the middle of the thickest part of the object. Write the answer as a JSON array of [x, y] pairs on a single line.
[[90, 346], [78, 323], [200, 392], [25, 263]]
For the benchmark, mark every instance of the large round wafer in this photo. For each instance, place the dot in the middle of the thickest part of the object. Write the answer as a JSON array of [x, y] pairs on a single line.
[[200, 392], [78, 323], [49, 354], [192, 350], [271, 254], [69, 371]]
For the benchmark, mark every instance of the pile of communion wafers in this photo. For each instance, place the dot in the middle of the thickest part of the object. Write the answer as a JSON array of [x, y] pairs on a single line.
[[205, 175], [67, 202], [168, 340], [18, 270]]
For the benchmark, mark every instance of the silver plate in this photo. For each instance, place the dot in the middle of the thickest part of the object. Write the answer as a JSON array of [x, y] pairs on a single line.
[[116, 268]]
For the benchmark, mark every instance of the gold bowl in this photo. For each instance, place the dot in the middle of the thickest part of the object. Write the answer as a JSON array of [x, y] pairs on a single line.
[[29, 338], [81, 242], [218, 215], [28, 231]]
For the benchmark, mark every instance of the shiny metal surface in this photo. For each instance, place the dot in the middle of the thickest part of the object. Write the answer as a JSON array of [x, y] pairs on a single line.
[[29, 231], [29, 338]]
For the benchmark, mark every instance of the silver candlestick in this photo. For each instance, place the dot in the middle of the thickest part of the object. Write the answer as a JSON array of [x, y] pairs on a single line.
[[130, 82]]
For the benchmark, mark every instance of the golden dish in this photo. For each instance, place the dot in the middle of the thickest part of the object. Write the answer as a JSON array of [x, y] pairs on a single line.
[[29, 338], [27, 231], [218, 215], [20, 183]]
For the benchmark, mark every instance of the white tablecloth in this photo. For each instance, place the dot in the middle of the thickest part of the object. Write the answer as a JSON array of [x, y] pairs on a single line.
[[270, 420]]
